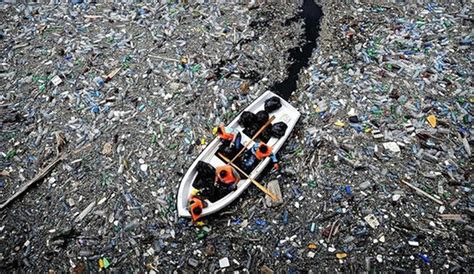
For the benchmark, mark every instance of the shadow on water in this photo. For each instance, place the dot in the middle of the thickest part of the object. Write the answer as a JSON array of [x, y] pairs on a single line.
[[311, 14]]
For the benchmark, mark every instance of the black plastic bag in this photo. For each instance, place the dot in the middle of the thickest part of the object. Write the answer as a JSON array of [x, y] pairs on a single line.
[[272, 104], [266, 134], [262, 118], [247, 118], [279, 129], [251, 130], [214, 193], [205, 170]]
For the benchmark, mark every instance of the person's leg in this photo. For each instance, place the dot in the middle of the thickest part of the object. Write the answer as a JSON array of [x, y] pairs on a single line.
[[237, 141], [249, 162]]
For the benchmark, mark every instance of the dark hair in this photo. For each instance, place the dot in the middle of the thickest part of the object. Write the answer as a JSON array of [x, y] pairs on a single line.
[[223, 173], [219, 130], [263, 148], [197, 210]]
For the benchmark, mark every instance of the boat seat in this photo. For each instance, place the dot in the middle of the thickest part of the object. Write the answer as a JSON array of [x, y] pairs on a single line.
[[216, 161]]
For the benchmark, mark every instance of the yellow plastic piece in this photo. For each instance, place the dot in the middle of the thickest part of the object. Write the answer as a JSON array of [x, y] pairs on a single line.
[[312, 246], [194, 192], [432, 120], [339, 123], [341, 255]]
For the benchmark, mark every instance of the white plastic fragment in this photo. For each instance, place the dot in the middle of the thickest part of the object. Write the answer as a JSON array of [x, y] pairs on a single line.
[[372, 221], [150, 251], [144, 167], [392, 146], [56, 80], [379, 258], [274, 187], [102, 201], [382, 239], [224, 262], [377, 134], [86, 211]]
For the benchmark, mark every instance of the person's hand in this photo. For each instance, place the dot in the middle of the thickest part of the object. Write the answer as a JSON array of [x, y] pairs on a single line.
[[276, 166]]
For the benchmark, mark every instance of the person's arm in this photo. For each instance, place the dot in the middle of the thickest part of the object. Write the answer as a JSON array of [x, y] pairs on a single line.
[[274, 161], [255, 147], [236, 175], [233, 132], [273, 158]]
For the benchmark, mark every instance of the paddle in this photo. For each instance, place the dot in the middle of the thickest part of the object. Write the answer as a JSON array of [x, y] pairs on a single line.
[[261, 187], [253, 138]]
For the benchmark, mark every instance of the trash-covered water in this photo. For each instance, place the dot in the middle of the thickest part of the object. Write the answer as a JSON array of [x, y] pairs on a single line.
[[110, 106], [311, 13]]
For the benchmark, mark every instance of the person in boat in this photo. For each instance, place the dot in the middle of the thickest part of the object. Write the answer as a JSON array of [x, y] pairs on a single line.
[[196, 205], [227, 176], [228, 136], [257, 153]]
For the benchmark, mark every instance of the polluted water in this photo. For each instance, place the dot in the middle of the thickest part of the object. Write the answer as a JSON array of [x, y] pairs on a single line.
[[105, 107]]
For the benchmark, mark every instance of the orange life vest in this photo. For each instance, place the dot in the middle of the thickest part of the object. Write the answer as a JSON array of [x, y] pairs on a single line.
[[224, 135], [260, 155], [229, 178], [195, 202]]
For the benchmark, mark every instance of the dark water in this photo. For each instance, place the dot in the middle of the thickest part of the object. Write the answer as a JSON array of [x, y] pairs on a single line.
[[311, 14]]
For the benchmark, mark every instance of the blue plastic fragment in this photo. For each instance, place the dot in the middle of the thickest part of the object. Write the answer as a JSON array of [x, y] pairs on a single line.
[[99, 81], [348, 190], [261, 222], [424, 257], [237, 221], [431, 7], [289, 255], [285, 217], [95, 109], [336, 196]]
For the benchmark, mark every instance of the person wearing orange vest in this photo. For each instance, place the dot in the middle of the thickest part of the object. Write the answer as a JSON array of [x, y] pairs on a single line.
[[258, 152], [196, 205], [227, 176], [229, 136]]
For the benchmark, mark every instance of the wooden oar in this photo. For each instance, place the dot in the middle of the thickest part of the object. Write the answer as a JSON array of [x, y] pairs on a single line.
[[253, 138], [262, 188]]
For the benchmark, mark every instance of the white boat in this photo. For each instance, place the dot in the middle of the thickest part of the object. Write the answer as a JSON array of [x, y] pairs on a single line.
[[286, 113]]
